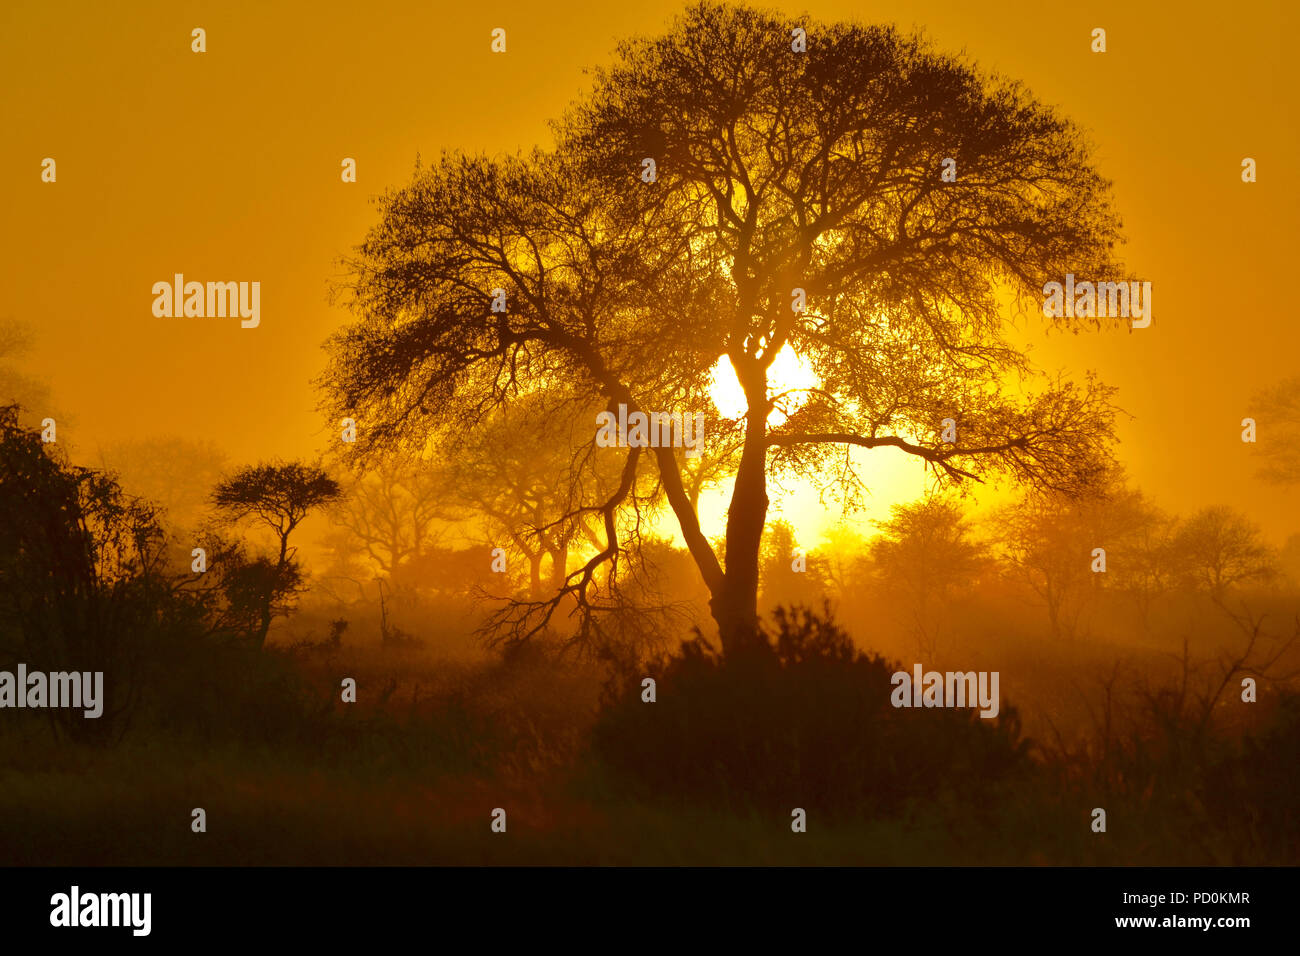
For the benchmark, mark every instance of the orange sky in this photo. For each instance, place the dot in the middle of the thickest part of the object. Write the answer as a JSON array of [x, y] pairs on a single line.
[[225, 166]]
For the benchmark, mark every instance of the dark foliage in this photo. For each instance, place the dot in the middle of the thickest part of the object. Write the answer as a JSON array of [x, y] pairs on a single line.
[[86, 585], [804, 720], [1253, 790]]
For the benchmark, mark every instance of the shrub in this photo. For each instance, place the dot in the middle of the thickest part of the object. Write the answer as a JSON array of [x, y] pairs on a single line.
[[804, 721]]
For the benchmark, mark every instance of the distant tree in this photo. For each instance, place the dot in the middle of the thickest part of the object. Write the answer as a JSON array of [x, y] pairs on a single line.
[[532, 476], [279, 495], [781, 584], [1141, 550], [664, 576], [1219, 549], [1048, 543], [844, 558], [925, 557], [29, 397], [175, 473], [1289, 559], [1042, 551], [1277, 415], [392, 514]]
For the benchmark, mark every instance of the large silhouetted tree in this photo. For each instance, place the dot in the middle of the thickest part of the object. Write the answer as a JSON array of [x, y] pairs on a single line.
[[776, 174]]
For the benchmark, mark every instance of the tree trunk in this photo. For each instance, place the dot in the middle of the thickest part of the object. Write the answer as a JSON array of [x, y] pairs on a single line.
[[1054, 616], [559, 565], [735, 606], [264, 626], [535, 575], [265, 623]]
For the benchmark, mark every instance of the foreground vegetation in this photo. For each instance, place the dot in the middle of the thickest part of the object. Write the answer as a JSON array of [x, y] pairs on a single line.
[[708, 774], [1151, 725]]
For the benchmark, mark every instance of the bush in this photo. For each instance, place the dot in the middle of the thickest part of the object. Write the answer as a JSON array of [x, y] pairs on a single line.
[[1251, 793], [804, 721]]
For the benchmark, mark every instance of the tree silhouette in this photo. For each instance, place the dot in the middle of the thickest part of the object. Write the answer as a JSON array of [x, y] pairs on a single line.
[[175, 473], [392, 513], [1278, 443], [81, 576], [30, 397], [777, 171], [925, 557], [525, 474], [1047, 543], [279, 495], [781, 584], [1219, 549]]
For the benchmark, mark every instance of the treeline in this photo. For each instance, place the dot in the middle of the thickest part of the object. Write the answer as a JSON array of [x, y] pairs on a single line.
[[1068, 558]]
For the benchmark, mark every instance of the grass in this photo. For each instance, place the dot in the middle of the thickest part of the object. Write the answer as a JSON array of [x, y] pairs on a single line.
[[411, 773]]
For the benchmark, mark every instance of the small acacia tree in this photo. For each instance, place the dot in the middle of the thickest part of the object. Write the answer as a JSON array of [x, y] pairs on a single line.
[[279, 495]]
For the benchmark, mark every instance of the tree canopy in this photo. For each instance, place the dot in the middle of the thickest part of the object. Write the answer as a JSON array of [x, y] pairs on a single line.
[[797, 199]]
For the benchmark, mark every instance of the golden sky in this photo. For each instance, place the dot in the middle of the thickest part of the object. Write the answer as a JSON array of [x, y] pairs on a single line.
[[225, 166]]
